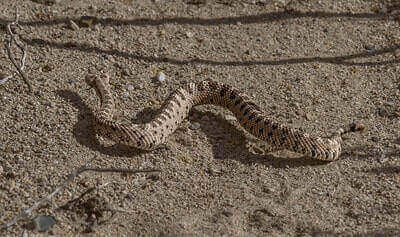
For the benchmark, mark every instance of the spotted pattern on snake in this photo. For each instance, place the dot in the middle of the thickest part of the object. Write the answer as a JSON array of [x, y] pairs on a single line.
[[176, 108]]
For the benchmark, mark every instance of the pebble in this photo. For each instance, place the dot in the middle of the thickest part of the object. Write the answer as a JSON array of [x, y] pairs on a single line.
[[73, 25], [230, 118], [3, 75], [87, 21], [92, 9], [46, 68], [4, 78], [227, 213], [383, 112], [194, 126], [283, 2], [185, 139], [383, 10], [374, 139], [125, 72], [309, 116], [213, 171], [96, 28], [396, 146], [266, 189], [187, 159], [383, 159], [43, 223], [160, 76], [189, 34], [397, 53], [154, 176], [130, 87], [296, 105]]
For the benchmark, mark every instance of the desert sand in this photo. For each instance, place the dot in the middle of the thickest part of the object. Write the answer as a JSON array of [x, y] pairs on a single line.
[[313, 65]]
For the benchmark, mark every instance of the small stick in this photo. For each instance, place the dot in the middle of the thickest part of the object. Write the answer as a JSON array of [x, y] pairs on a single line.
[[91, 189], [75, 173], [11, 56]]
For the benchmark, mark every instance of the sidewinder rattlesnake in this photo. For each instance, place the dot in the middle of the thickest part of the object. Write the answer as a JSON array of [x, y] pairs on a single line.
[[176, 108]]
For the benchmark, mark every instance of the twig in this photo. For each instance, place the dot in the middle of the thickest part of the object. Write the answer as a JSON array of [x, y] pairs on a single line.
[[22, 47], [91, 189], [75, 173], [93, 210]]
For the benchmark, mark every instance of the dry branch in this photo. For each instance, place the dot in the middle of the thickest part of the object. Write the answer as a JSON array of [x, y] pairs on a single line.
[[14, 38], [75, 173]]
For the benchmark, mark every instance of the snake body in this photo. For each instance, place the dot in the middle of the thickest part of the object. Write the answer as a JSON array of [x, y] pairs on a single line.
[[176, 108]]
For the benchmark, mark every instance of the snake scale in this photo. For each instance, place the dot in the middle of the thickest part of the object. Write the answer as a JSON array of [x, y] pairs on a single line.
[[176, 108]]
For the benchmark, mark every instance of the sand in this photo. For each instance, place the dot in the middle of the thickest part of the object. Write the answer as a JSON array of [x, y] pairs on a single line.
[[314, 65]]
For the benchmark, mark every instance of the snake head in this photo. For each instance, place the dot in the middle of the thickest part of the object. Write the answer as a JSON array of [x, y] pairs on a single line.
[[91, 79], [99, 83], [96, 81]]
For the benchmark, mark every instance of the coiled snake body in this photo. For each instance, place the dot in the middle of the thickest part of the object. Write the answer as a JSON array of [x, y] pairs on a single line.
[[175, 109]]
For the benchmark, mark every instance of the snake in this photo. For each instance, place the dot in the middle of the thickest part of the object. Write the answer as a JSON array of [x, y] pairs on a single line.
[[176, 107]]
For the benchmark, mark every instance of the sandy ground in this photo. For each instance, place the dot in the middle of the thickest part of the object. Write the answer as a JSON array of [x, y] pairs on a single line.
[[315, 65]]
